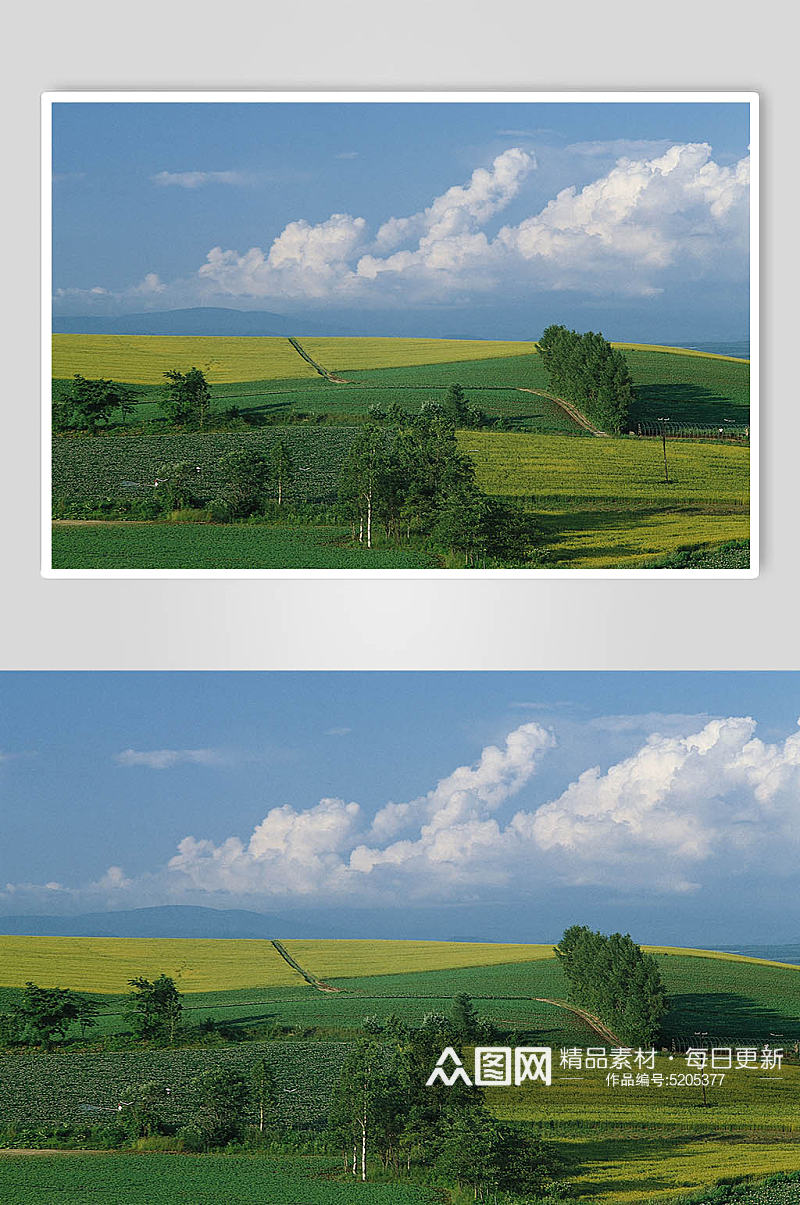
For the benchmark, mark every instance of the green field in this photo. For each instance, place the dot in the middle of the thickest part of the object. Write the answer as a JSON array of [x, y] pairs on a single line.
[[599, 502], [619, 1145], [268, 377], [218, 546], [246, 982], [156, 1179], [604, 502]]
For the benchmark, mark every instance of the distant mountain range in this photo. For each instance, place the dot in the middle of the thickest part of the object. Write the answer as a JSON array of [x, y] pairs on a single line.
[[201, 320]]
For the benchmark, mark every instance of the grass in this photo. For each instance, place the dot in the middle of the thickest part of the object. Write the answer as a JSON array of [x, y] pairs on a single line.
[[746, 1100], [345, 355], [638, 1169], [143, 359], [604, 503], [133, 545]]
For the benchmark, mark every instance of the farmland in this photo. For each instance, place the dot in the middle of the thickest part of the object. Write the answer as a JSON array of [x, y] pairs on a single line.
[[243, 982], [161, 1179], [618, 1146], [86, 467], [599, 502], [219, 546], [105, 964], [596, 503], [269, 378], [74, 1088]]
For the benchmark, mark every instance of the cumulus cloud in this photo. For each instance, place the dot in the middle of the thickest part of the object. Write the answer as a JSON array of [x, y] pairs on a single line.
[[196, 179], [683, 810], [304, 260], [662, 211], [165, 759]]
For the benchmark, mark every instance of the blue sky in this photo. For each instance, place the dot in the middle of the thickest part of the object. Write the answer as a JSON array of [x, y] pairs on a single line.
[[501, 803], [409, 218]]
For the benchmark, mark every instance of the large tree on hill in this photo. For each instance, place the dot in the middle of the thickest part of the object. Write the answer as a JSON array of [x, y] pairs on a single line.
[[587, 370], [613, 978]]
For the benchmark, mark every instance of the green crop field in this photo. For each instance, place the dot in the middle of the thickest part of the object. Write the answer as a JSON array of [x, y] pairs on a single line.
[[104, 545], [127, 467], [730, 998], [631, 1168], [160, 1179], [71, 1088]]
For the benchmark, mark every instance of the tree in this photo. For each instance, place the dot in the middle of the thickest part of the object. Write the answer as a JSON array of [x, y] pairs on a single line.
[[587, 370], [146, 1109], [88, 1011], [177, 484], [246, 480], [188, 396], [465, 1019], [456, 405], [361, 485], [613, 978], [90, 404], [282, 469], [155, 1008], [224, 1102], [265, 1092], [47, 1011]]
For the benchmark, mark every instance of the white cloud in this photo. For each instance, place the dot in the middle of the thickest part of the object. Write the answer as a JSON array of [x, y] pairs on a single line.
[[685, 809], [165, 759], [197, 179], [338, 731], [347, 155], [304, 260], [150, 286], [461, 209], [662, 213], [289, 852]]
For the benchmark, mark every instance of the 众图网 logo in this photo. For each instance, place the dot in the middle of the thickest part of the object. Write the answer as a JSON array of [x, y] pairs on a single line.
[[495, 1067]]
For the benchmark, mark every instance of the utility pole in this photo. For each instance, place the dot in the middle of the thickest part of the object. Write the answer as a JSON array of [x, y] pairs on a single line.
[[664, 422]]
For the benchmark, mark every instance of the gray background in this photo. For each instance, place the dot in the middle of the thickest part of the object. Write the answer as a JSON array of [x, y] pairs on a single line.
[[406, 624]]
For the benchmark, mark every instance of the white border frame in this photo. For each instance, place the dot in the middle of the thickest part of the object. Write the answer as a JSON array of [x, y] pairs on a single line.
[[224, 97]]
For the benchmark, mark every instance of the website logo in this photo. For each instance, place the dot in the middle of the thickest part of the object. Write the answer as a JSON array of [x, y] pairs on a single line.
[[495, 1067]]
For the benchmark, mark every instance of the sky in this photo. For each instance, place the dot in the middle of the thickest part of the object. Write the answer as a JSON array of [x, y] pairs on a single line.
[[479, 805], [461, 219]]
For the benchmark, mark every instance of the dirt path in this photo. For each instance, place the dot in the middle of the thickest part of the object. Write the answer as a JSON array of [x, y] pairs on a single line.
[[569, 408], [319, 984], [594, 1023]]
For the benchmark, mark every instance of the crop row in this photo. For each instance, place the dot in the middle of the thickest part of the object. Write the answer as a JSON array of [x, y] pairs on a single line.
[[69, 1088], [111, 466]]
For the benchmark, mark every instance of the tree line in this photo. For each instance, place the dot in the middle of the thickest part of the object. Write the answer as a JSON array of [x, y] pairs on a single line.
[[587, 370], [614, 979], [46, 1014]]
